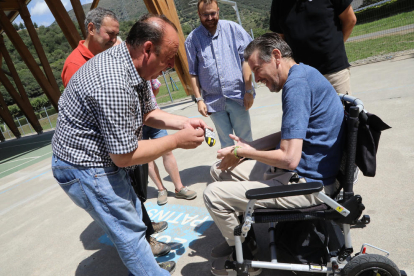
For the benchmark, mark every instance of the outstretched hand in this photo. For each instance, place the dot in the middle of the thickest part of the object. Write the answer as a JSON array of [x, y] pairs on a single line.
[[228, 159]]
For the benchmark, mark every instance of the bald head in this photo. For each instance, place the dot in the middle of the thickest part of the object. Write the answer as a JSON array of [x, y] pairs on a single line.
[[153, 28]]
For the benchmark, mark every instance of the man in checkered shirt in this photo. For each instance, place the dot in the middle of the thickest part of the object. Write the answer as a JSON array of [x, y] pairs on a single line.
[[101, 114]]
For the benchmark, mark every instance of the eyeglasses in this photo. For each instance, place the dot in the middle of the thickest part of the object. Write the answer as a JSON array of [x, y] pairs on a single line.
[[212, 14]]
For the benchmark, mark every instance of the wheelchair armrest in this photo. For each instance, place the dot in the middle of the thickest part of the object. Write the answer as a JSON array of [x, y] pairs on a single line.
[[284, 190]]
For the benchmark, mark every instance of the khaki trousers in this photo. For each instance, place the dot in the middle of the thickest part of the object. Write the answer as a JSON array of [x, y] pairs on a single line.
[[226, 197], [341, 81]]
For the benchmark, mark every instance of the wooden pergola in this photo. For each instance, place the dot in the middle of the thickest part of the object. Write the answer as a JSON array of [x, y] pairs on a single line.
[[10, 9]]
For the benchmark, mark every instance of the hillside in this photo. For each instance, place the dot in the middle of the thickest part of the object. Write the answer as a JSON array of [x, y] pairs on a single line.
[[125, 10], [254, 15], [251, 12]]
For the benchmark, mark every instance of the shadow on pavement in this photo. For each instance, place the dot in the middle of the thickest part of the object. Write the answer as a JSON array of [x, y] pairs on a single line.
[[190, 176], [212, 237], [104, 262]]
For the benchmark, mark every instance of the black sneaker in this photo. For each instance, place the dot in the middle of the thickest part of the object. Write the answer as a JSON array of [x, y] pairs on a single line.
[[169, 266]]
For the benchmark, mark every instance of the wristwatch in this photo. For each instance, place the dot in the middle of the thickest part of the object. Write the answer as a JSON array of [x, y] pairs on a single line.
[[199, 99], [250, 91]]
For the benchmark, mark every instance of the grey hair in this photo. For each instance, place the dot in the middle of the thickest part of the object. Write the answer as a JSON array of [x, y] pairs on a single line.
[[96, 16], [266, 44]]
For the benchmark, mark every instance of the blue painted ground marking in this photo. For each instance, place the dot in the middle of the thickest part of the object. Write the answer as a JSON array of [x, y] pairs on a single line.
[[15, 186], [185, 225]]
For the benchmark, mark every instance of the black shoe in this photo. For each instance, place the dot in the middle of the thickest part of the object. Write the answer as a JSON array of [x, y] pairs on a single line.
[[223, 249], [218, 268], [169, 266]]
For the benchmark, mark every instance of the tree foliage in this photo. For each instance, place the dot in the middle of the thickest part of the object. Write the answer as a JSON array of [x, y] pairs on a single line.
[[57, 48]]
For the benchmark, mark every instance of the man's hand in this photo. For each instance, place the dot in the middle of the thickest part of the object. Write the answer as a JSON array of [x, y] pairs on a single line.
[[248, 100], [189, 138], [196, 123], [228, 160], [240, 142], [202, 108]]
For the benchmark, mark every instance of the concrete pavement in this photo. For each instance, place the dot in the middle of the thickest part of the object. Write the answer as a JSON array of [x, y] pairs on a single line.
[[43, 233]]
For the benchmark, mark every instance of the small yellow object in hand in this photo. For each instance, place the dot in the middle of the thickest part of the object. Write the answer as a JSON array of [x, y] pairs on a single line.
[[210, 137]]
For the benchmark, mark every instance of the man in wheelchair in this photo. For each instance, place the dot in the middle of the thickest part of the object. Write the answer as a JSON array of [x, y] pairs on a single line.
[[306, 152]]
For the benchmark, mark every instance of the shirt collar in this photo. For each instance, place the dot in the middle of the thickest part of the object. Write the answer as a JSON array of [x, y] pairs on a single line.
[[207, 33], [133, 73], [84, 50]]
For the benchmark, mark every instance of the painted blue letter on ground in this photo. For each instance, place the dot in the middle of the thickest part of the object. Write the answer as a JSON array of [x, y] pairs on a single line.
[[185, 225]]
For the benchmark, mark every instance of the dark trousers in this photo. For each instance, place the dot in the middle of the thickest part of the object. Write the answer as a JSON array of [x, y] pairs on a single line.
[[139, 181]]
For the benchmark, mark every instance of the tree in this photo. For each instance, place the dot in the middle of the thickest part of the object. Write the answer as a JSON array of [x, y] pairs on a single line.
[[21, 26], [16, 26], [35, 25]]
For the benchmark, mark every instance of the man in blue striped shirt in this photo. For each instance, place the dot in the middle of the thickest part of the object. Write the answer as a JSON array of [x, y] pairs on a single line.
[[220, 79]]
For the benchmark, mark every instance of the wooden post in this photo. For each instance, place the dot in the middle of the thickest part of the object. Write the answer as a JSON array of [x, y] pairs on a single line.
[[7, 117], [29, 60], [25, 15], [95, 4], [167, 8], [21, 99], [80, 15], [63, 19]]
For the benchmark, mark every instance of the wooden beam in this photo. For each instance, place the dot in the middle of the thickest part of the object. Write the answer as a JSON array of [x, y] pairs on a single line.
[[167, 8], [25, 15], [80, 15], [63, 19], [7, 118], [21, 98], [9, 6], [29, 60], [95, 4]]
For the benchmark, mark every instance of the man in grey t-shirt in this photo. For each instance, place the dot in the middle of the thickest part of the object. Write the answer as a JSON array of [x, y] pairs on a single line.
[[306, 149]]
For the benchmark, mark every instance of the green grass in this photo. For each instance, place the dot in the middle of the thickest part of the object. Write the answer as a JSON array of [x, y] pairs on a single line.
[[164, 97], [395, 21], [379, 46]]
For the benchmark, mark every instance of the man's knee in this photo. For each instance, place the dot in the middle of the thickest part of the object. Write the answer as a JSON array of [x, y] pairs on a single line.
[[210, 195], [214, 172]]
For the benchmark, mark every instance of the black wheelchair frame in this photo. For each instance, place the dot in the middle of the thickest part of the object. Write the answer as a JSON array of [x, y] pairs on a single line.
[[344, 212]]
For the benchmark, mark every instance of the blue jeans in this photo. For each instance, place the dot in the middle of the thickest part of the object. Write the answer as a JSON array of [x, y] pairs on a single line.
[[107, 195], [153, 133], [234, 117]]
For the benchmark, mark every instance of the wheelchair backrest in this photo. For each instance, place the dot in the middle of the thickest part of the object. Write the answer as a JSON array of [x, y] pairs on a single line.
[[354, 110]]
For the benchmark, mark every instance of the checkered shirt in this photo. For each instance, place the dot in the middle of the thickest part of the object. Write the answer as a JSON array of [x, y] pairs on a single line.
[[101, 110]]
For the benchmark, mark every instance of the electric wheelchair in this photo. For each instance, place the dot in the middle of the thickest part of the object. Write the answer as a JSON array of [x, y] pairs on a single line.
[[333, 219]]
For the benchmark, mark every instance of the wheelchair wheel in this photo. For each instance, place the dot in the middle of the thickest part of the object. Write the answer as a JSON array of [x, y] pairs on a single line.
[[370, 265]]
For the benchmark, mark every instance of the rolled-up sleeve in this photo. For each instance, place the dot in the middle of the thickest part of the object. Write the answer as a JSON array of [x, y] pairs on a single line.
[[191, 56], [243, 40]]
